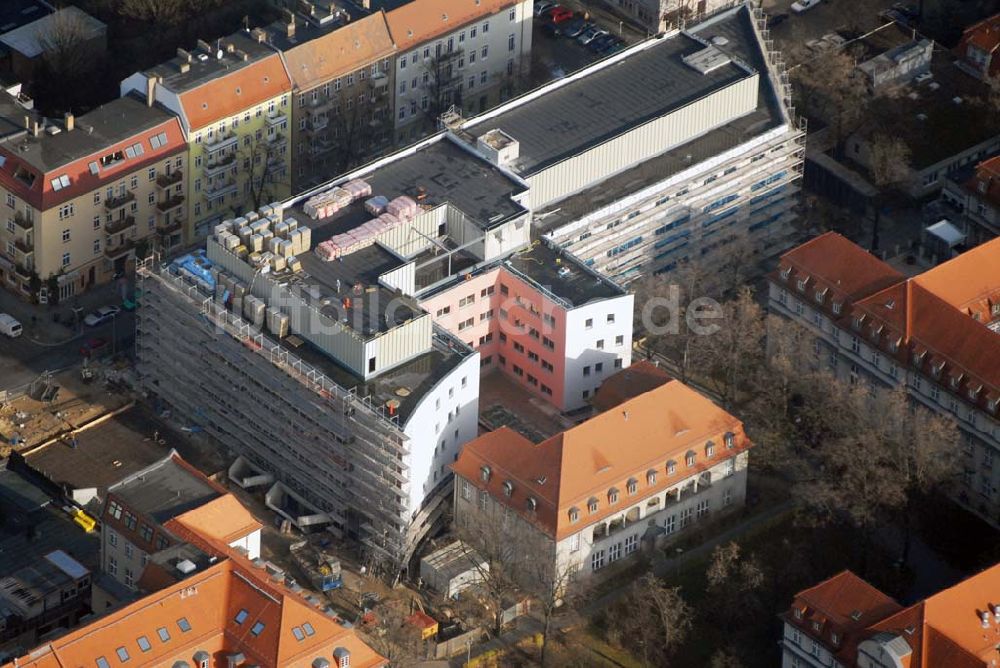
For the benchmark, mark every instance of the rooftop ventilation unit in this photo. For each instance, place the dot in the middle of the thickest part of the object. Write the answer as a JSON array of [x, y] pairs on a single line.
[[707, 60], [186, 566]]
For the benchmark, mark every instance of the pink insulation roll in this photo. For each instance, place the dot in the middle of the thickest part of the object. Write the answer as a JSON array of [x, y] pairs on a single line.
[[403, 207]]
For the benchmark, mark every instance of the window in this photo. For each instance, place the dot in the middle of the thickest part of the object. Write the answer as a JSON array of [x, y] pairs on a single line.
[[586, 370], [163, 634], [600, 344], [183, 624], [597, 560], [241, 616], [466, 490], [588, 323], [308, 629], [143, 643], [66, 259], [690, 458], [510, 43], [112, 538], [727, 497], [129, 577], [614, 552], [702, 508], [66, 211], [147, 533], [112, 565], [122, 654], [485, 50], [257, 629], [671, 467]]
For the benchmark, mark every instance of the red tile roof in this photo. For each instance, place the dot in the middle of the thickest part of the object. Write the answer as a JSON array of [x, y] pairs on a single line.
[[984, 35], [414, 23], [938, 317], [567, 470], [986, 183], [224, 96], [642, 376]]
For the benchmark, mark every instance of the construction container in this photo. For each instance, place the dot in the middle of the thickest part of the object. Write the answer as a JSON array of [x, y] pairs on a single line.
[[277, 323]]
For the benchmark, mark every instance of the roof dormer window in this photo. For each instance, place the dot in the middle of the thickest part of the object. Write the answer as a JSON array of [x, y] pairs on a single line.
[[532, 504], [821, 295], [592, 505], [801, 285], [730, 440], [613, 495], [837, 307], [574, 515], [60, 182], [974, 391], [484, 473], [710, 449], [956, 381], [671, 467], [785, 273], [690, 458], [508, 488], [651, 477], [632, 486]]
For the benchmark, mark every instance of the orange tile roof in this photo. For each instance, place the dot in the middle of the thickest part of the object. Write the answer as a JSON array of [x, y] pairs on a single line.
[[934, 314], [339, 52], [642, 376], [985, 185], [417, 22], [224, 519], [845, 268], [844, 605], [224, 96], [984, 35], [566, 470]]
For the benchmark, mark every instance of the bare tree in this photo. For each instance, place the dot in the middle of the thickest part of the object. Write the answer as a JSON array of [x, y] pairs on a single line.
[[442, 83], [828, 87], [651, 619], [158, 11], [549, 584], [265, 167], [394, 637], [725, 658], [734, 582], [889, 167]]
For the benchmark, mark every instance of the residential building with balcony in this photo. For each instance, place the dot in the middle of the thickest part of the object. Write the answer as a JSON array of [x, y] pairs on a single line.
[[209, 604], [138, 508], [846, 622], [652, 467], [978, 50], [935, 334], [233, 101], [342, 90], [671, 149], [466, 54], [974, 194], [83, 194], [659, 15]]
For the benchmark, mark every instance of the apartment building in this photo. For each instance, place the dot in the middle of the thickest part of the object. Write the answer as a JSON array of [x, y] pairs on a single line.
[[666, 151], [342, 80], [554, 326], [978, 50], [83, 195], [232, 98], [210, 605], [659, 15], [656, 464], [934, 334], [845, 621], [466, 54], [974, 194], [138, 507]]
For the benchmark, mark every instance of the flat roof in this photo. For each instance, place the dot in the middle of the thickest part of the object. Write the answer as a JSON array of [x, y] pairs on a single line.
[[416, 376], [28, 39], [608, 101], [104, 454], [206, 67], [562, 274], [165, 490], [105, 126], [35, 526], [445, 173], [16, 13], [741, 43]]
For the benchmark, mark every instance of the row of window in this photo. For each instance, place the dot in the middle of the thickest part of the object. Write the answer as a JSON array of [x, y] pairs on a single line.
[[145, 645]]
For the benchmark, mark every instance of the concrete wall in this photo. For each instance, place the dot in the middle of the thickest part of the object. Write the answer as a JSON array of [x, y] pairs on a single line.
[[592, 351]]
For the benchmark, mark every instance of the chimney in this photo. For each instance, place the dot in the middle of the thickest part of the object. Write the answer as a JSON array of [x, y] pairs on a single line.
[[185, 68], [150, 91], [205, 46], [258, 35], [367, 4], [36, 128], [70, 122], [184, 55], [290, 29], [27, 122]]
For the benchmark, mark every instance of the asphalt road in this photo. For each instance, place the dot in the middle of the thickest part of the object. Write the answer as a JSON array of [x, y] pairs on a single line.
[[22, 359]]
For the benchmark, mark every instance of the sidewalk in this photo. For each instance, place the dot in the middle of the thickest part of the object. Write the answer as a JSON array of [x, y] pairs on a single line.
[[37, 319]]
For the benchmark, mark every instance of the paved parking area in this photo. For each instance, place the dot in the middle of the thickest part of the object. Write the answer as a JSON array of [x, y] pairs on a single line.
[[846, 16]]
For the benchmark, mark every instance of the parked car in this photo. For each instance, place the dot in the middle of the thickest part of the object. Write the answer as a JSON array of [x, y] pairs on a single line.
[[590, 34], [94, 347], [601, 42], [804, 5], [561, 15], [542, 7], [613, 45], [9, 326], [573, 27], [776, 20], [551, 30], [101, 316]]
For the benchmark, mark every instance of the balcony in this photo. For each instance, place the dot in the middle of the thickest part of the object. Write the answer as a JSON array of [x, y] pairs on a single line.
[[278, 140], [115, 252], [222, 142], [23, 222], [118, 202], [220, 166], [170, 204], [276, 118], [221, 190], [167, 226], [23, 271], [120, 225], [23, 251], [168, 180], [317, 122]]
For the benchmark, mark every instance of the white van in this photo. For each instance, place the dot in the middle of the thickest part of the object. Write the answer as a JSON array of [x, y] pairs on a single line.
[[9, 326]]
